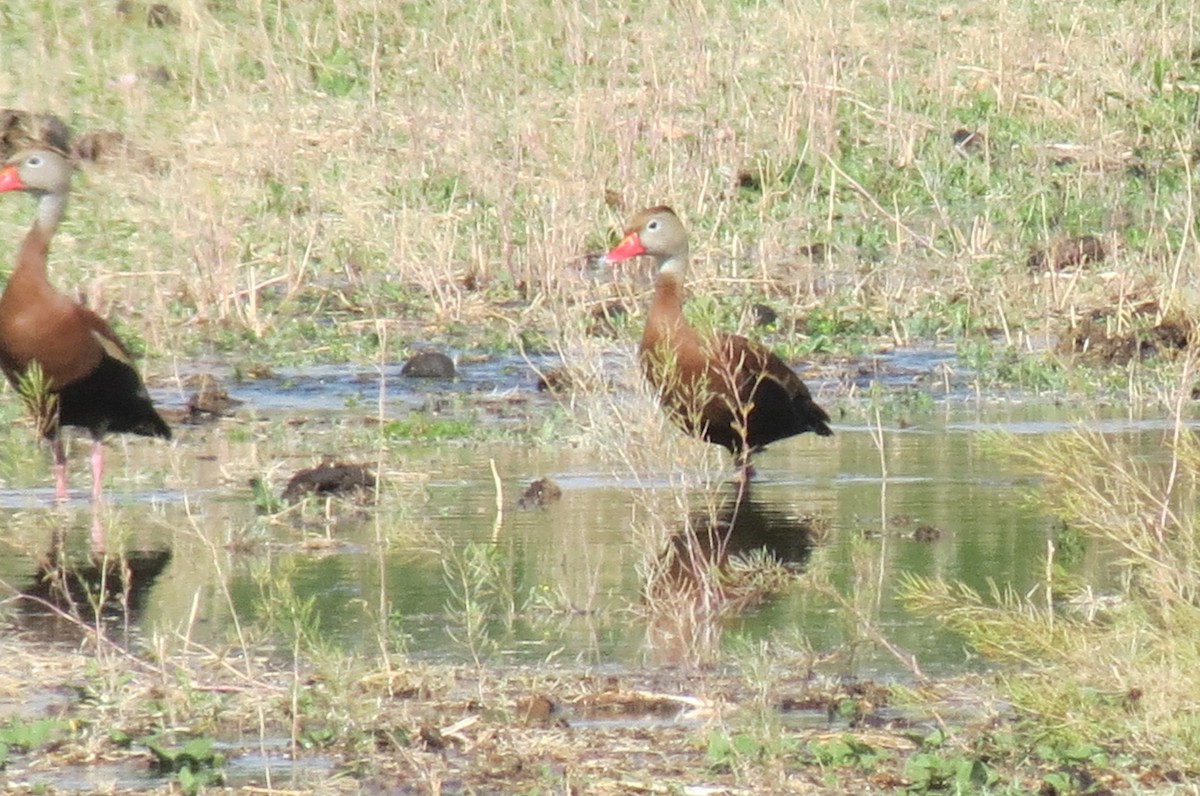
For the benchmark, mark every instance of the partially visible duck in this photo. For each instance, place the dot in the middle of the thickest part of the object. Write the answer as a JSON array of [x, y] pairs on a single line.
[[88, 372], [722, 388]]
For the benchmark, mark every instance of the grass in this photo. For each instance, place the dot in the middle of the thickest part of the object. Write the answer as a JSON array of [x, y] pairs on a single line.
[[339, 182], [421, 167], [1106, 671]]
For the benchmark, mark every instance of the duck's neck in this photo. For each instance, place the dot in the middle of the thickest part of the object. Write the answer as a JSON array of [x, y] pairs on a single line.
[[665, 321], [31, 260], [50, 210]]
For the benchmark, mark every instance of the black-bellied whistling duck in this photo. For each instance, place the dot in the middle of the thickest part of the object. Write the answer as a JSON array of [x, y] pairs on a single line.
[[723, 388], [87, 371]]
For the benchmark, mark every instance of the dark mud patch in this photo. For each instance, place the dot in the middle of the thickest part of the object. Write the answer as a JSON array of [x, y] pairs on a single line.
[[429, 365], [329, 479], [969, 142], [210, 401], [928, 534], [1093, 340], [539, 494], [1068, 253]]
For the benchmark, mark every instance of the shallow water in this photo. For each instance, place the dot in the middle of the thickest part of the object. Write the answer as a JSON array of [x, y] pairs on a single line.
[[564, 582]]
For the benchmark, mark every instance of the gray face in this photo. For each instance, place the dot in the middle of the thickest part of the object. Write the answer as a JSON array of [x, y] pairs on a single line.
[[662, 235], [43, 171]]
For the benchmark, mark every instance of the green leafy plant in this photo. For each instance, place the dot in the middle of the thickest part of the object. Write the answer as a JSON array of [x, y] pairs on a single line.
[[193, 764], [25, 735]]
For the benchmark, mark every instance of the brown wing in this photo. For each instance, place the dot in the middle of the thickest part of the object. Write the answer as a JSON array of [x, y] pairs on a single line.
[[777, 402], [104, 335]]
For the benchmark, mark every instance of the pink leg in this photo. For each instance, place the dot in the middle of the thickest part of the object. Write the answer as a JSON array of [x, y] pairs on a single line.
[[97, 469], [60, 469], [97, 531]]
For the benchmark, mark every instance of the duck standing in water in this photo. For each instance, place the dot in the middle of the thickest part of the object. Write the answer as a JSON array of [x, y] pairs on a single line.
[[87, 375], [722, 388]]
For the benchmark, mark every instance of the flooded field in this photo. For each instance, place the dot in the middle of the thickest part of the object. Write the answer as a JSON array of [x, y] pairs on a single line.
[[446, 565]]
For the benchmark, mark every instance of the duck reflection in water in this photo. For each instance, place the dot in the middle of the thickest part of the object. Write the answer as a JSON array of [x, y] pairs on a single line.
[[73, 591], [727, 558]]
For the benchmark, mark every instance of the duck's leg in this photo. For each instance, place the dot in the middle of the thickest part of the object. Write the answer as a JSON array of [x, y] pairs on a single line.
[[60, 468], [745, 470], [97, 469], [97, 530]]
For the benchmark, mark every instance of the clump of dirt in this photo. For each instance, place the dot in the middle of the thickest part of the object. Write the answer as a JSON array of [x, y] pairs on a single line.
[[330, 479], [1091, 341], [1068, 253], [968, 142], [97, 144], [210, 401], [818, 253], [606, 317], [927, 534], [541, 493], [20, 129], [157, 15], [554, 380], [763, 315], [429, 365], [539, 710]]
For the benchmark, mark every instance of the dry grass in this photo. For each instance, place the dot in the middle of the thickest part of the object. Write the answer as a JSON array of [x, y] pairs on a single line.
[[321, 159]]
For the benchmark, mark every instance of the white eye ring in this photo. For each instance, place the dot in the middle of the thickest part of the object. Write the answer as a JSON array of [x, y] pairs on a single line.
[[653, 225], [33, 160]]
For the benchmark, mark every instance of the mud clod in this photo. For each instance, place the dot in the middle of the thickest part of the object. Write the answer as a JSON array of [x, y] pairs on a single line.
[[429, 365], [210, 401], [161, 15], [555, 380], [927, 534], [762, 315], [968, 142], [1068, 253], [1092, 341], [330, 479], [541, 493]]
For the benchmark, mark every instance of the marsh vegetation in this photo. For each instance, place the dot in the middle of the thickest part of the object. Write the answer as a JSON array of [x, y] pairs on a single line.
[[971, 227]]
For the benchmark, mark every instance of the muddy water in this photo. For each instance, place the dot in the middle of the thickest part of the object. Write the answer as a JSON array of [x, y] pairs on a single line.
[[564, 582]]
